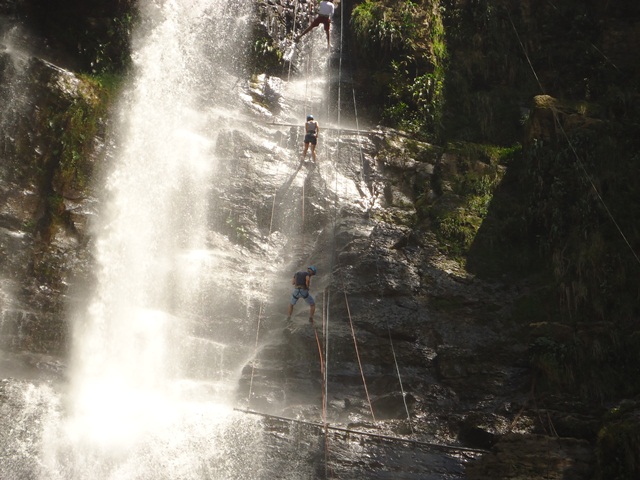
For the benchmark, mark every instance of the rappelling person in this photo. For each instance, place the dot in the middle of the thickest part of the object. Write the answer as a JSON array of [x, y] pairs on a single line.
[[325, 12], [311, 131], [301, 282]]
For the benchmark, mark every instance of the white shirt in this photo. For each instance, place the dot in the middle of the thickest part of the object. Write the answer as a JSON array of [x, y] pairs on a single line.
[[326, 8]]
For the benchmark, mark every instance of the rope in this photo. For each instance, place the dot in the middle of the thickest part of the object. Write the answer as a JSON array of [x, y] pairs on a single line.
[[338, 148], [326, 295], [395, 358], [355, 345], [261, 309], [322, 373], [575, 153], [590, 43], [323, 361], [255, 351], [295, 22], [525, 53], [324, 398], [355, 112], [273, 209], [435, 446], [595, 189], [395, 361], [393, 351], [340, 68], [325, 332]]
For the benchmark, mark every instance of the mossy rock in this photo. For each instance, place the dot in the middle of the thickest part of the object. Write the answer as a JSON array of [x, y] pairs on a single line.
[[618, 448]]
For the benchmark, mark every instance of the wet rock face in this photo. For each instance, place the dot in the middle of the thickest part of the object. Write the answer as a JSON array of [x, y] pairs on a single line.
[[409, 307], [43, 227], [532, 457], [11, 7], [17, 416], [413, 309]]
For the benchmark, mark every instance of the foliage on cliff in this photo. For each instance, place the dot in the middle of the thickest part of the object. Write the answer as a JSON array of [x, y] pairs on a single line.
[[94, 33], [403, 44], [560, 210], [563, 213]]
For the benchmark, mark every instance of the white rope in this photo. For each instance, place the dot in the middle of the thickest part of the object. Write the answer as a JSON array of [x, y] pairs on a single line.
[[575, 153]]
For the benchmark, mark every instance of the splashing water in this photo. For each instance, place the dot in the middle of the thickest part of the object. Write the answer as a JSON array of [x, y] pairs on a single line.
[[131, 411]]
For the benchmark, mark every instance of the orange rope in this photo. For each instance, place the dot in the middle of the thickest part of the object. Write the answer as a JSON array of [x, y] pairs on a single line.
[[323, 374], [355, 344], [324, 411]]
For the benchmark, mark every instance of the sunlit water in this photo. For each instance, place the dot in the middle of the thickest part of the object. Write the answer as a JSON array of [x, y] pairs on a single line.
[[153, 373], [137, 405]]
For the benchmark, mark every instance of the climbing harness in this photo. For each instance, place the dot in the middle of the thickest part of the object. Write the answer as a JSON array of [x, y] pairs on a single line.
[[301, 292]]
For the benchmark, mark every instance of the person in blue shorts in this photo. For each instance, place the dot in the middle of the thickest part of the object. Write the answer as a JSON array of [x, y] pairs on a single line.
[[301, 282]]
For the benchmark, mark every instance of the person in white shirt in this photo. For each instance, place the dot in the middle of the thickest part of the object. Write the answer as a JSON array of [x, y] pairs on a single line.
[[325, 12]]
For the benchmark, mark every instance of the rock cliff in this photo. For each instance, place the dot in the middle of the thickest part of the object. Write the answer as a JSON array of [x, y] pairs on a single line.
[[427, 247]]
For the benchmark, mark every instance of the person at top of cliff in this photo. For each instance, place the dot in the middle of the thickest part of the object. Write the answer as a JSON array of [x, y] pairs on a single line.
[[325, 12], [301, 282], [311, 131]]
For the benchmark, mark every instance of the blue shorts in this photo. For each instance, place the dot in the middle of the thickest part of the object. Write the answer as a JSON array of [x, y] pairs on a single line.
[[301, 292]]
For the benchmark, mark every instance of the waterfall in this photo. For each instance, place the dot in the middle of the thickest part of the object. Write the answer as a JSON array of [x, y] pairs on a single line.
[[205, 211], [132, 410]]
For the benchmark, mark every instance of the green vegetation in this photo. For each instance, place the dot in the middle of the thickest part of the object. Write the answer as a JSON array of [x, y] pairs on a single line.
[[234, 229], [75, 128], [96, 33], [617, 449], [387, 26], [111, 53], [265, 55], [404, 42], [465, 184], [69, 125], [556, 207]]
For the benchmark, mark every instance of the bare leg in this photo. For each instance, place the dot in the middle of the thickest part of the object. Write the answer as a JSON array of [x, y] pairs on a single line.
[[312, 310], [328, 41], [290, 310], [306, 30], [313, 152], [304, 152]]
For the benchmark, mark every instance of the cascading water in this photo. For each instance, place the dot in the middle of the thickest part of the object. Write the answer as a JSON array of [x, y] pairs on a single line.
[[135, 407], [205, 213]]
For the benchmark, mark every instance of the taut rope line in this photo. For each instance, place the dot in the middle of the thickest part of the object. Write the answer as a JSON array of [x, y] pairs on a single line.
[[393, 350], [261, 309], [580, 164], [436, 446], [355, 345], [295, 21], [322, 373]]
